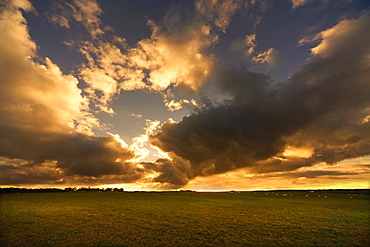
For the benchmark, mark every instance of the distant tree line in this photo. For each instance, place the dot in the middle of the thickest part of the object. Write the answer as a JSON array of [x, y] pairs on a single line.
[[48, 190], [26, 190], [336, 191]]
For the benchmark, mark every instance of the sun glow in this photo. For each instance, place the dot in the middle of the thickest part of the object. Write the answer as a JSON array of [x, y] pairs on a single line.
[[160, 154], [140, 155], [304, 152]]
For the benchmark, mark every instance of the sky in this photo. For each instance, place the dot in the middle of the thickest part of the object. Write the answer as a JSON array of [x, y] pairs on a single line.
[[200, 95]]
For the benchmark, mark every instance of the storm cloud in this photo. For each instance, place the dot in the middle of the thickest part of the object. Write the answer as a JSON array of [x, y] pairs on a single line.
[[323, 106]]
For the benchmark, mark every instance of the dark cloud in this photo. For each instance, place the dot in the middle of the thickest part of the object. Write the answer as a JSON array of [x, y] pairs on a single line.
[[174, 173], [320, 106], [74, 154], [23, 173]]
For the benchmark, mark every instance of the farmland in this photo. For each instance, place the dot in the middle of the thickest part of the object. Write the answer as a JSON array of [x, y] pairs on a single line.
[[185, 219]]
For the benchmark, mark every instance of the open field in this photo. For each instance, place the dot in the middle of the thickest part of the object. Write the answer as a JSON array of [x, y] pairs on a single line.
[[185, 219]]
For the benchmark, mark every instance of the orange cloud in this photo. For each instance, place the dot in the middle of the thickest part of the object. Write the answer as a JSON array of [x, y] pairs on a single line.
[[46, 124]]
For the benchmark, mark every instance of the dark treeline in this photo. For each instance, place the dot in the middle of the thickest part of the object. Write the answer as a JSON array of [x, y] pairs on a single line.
[[48, 190], [75, 189], [25, 190]]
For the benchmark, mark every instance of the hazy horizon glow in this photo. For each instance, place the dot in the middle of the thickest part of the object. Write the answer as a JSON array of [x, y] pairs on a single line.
[[201, 95]]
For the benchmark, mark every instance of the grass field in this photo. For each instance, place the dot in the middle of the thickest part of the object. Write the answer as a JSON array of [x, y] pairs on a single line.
[[184, 219]]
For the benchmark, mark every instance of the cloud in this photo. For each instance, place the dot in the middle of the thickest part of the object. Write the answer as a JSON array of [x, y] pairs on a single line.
[[320, 4], [178, 53], [141, 142], [219, 12], [299, 3], [47, 121], [86, 12], [175, 58], [329, 94], [268, 57], [250, 42], [172, 56], [320, 176], [106, 62], [46, 124], [27, 101], [173, 105], [25, 173], [242, 55], [106, 71], [256, 9], [170, 173]]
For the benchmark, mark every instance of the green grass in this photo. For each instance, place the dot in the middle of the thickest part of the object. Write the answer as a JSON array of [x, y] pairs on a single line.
[[184, 219]]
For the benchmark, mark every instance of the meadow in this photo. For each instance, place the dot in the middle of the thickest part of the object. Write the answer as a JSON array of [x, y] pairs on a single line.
[[185, 219]]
